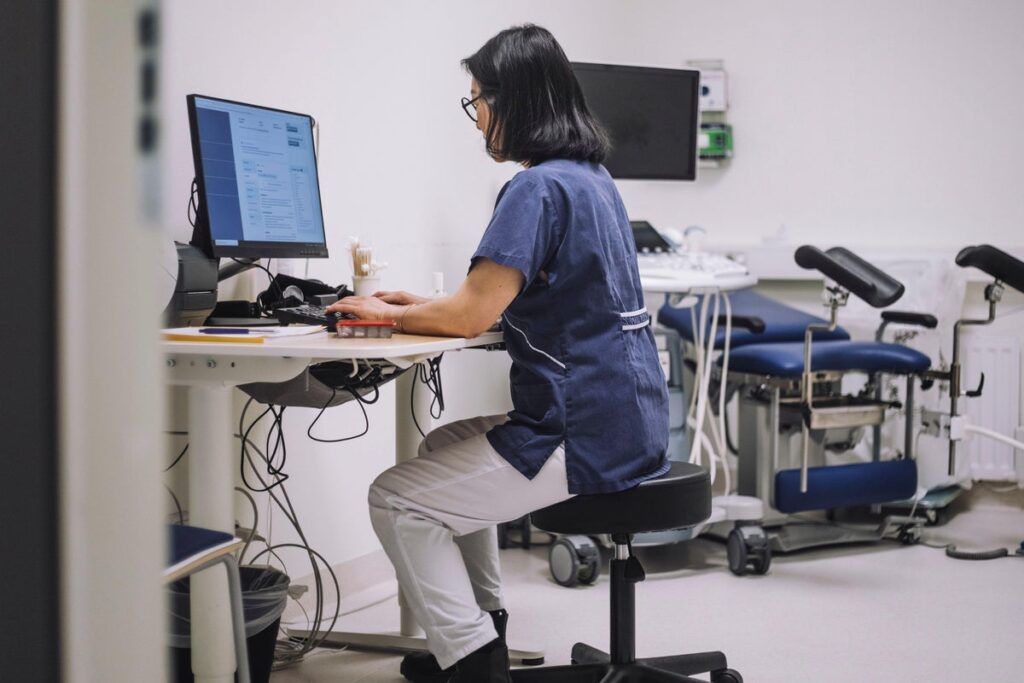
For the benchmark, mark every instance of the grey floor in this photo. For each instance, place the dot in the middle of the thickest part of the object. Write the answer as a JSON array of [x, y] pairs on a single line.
[[875, 613]]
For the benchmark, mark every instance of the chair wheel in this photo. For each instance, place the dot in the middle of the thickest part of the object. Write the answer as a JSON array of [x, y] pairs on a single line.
[[726, 676], [574, 560], [536, 661], [590, 570], [736, 550], [748, 550]]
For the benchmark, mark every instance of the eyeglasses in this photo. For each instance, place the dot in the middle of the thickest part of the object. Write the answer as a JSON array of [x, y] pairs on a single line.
[[469, 106]]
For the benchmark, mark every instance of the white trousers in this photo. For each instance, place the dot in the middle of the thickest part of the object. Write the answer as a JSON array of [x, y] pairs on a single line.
[[436, 518]]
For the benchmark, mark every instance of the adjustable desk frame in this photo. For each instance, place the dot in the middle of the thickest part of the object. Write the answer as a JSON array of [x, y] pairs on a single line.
[[210, 371]]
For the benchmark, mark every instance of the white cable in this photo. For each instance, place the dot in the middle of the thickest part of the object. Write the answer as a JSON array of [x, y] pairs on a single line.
[[705, 380], [716, 437], [1013, 443], [707, 448], [698, 352], [698, 415], [723, 447], [718, 454], [698, 380]]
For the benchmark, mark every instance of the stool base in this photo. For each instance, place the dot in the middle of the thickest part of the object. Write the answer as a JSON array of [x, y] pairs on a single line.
[[591, 665]]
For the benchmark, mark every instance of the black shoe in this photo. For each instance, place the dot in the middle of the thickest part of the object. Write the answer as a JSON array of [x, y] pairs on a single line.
[[422, 667], [489, 664]]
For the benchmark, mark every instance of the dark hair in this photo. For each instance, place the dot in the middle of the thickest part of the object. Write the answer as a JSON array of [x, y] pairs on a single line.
[[537, 107]]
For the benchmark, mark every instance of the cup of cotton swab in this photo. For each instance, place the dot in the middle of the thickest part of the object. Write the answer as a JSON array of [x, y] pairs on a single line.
[[365, 270]]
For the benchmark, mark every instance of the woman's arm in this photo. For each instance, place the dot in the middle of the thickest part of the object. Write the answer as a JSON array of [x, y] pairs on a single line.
[[472, 310]]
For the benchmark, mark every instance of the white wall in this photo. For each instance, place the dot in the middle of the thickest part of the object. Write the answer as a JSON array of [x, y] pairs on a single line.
[[866, 123], [870, 122]]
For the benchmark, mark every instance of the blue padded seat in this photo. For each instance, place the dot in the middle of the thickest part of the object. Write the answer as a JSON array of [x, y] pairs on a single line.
[[839, 486], [787, 360], [782, 323], [186, 541]]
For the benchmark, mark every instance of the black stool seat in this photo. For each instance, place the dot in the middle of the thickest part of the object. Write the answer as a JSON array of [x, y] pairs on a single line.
[[678, 499]]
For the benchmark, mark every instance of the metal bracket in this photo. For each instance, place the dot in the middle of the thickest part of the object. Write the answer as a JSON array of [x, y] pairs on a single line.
[[190, 369]]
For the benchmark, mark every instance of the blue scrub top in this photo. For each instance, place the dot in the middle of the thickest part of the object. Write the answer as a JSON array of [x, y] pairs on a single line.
[[585, 368]]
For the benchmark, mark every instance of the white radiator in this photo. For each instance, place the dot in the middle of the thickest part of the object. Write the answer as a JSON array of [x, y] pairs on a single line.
[[998, 408]]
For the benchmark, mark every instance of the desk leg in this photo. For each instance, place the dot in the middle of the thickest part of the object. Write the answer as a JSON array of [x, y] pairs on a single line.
[[407, 443], [211, 481]]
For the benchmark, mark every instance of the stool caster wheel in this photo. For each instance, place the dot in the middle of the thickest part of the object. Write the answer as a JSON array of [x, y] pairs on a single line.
[[536, 661], [726, 676], [574, 560], [748, 550]]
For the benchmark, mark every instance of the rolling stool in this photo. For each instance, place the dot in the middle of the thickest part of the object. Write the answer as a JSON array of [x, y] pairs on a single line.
[[679, 499]]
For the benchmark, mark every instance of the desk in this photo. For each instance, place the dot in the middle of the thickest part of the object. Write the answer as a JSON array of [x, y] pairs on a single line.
[[210, 371]]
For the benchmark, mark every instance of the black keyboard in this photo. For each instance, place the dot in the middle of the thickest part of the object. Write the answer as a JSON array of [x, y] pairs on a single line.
[[308, 314]]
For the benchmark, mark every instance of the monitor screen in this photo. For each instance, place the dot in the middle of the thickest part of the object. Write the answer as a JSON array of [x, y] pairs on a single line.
[[650, 115], [257, 180], [648, 239]]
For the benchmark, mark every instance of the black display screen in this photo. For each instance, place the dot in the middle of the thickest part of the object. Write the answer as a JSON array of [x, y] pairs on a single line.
[[651, 116], [647, 238]]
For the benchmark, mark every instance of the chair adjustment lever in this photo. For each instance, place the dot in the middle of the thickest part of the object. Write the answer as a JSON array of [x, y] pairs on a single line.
[[634, 570], [977, 392]]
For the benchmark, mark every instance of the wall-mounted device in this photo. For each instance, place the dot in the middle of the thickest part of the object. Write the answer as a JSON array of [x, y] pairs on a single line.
[[715, 141], [714, 86], [715, 145], [651, 116]]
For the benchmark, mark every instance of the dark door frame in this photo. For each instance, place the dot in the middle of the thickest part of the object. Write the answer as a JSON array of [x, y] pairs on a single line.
[[29, 498]]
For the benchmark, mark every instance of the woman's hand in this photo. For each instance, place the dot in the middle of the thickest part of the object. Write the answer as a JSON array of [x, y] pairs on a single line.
[[366, 308], [401, 298]]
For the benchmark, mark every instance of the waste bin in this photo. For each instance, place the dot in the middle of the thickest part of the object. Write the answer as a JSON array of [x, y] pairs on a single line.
[[264, 595]]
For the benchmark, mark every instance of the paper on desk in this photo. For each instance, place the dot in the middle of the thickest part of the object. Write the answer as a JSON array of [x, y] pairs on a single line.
[[253, 335], [290, 330]]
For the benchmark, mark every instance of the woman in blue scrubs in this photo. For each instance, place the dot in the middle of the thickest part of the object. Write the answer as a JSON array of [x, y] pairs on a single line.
[[557, 264]]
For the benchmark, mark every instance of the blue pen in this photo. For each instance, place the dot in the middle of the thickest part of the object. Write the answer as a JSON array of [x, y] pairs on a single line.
[[223, 330]]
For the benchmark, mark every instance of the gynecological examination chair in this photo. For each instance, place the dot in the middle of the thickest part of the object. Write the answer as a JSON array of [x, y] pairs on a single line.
[[787, 368]]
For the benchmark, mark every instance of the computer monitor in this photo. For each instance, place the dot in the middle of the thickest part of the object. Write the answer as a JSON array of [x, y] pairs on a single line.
[[651, 116], [259, 195]]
